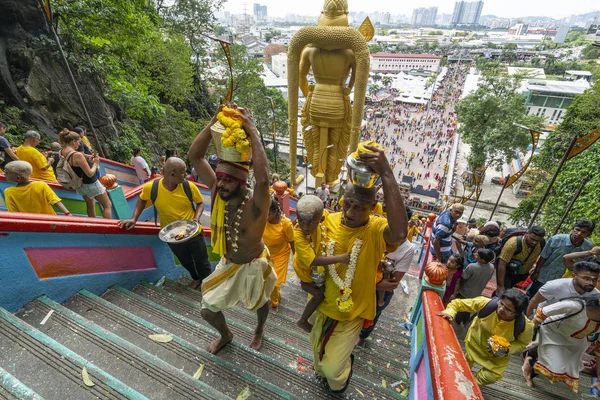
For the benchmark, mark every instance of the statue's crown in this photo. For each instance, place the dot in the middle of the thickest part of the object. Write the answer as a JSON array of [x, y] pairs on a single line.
[[335, 8]]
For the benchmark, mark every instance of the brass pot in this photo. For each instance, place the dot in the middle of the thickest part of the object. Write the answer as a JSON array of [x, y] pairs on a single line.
[[227, 153], [360, 174]]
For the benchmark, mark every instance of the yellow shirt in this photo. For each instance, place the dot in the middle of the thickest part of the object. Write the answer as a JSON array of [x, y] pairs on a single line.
[[476, 341], [363, 284], [36, 197], [277, 237], [37, 161], [172, 206], [305, 255], [85, 140], [527, 256], [412, 231]]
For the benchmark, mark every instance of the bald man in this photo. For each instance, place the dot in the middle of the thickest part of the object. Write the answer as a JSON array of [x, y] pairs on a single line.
[[442, 231], [173, 204]]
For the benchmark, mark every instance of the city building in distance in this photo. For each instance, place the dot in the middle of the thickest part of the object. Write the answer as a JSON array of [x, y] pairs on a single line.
[[424, 16], [467, 13], [260, 12], [394, 63]]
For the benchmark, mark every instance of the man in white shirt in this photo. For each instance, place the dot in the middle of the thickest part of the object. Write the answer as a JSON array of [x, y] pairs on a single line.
[[323, 193], [141, 166], [584, 280]]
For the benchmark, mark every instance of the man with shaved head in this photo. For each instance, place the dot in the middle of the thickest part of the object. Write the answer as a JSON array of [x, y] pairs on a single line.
[[355, 231], [176, 199]]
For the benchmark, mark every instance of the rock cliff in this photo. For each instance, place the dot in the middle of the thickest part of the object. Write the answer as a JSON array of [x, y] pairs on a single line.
[[34, 78]]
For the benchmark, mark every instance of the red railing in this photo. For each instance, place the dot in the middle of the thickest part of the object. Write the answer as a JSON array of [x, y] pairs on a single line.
[[450, 376]]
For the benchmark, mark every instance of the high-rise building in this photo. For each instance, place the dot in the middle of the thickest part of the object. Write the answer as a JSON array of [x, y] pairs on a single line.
[[467, 13], [424, 16], [260, 12]]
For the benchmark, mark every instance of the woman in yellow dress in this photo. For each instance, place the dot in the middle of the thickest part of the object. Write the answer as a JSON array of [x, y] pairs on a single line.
[[501, 322], [279, 239]]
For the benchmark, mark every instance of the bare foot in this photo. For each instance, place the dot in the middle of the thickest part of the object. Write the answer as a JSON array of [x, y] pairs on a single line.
[[194, 284], [219, 343], [380, 303], [275, 309], [527, 369], [360, 342], [256, 342], [304, 325]]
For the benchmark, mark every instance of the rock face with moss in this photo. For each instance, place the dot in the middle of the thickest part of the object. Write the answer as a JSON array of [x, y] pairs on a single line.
[[34, 78]]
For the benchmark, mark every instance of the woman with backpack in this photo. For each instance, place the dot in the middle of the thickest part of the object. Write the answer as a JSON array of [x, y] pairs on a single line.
[[563, 329], [82, 175], [496, 318]]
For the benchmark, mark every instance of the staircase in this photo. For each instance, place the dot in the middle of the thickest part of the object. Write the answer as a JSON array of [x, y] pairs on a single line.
[[46, 345]]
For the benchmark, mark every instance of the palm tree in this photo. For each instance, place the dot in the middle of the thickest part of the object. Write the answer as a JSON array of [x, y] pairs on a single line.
[[387, 81]]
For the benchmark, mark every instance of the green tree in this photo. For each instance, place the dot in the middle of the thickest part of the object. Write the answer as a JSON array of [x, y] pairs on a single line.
[[486, 118], [147, 57], [249, 91], [375, 48], [590, 52], [582, 116], [387, 81]]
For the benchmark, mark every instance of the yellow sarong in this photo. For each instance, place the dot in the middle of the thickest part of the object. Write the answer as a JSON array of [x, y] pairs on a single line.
[[332, 360], [230, 283]]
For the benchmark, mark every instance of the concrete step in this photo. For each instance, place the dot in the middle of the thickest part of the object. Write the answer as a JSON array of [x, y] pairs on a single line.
[[223, 376], [50, 369], [12, 388], [388, 328], [386, 361], [285, 347], [281, 370], [134, 366]]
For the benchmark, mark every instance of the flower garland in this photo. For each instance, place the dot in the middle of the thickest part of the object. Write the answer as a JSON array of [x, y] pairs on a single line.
[[234, 135], [236, 223], [344, 301]]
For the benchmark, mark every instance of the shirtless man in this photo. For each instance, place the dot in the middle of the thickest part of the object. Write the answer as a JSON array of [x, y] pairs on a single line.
[[238, 219]]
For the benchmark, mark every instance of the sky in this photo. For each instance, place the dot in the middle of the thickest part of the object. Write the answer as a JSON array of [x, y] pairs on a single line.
[[501, 8]]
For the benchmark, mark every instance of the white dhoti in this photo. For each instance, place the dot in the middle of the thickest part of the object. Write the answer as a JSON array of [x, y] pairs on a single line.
[[230, 283]]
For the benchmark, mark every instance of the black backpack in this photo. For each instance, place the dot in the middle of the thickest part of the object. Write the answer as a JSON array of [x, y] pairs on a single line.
[[154, 195], [493, 306]]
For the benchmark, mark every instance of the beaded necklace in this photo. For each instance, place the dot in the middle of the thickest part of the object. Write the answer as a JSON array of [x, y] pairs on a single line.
[[236, 224]]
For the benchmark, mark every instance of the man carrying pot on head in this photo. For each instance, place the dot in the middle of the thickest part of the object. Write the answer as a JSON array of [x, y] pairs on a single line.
[[238, 218]]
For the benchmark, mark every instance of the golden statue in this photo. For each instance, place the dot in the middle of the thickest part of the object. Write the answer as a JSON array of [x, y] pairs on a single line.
[[339, 58]]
